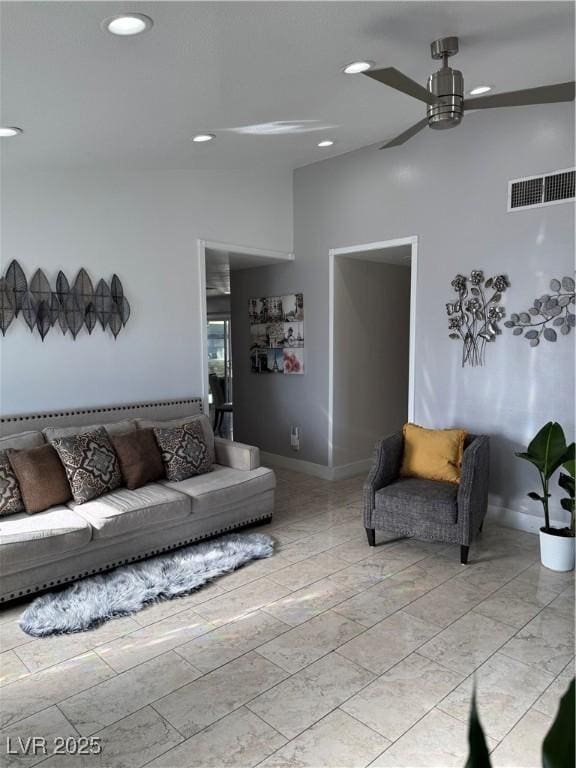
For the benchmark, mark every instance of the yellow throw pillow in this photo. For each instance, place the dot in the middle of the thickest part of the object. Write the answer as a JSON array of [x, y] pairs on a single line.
[[432, 454]]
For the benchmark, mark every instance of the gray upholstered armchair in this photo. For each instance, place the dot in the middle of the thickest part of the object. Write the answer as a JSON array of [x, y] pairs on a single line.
[[427, 509]]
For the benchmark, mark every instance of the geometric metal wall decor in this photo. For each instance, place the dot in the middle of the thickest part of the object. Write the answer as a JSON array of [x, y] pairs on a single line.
[[473, 318], [547, 315], [70, 307]]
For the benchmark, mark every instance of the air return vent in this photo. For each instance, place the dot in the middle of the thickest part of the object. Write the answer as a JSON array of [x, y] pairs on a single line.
[[537, 191]]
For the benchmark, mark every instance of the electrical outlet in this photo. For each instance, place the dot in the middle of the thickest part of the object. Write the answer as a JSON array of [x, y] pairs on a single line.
[[295, 438]]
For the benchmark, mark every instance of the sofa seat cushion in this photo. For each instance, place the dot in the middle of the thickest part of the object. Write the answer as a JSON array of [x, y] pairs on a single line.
[[127, 512], [223, 488], [45, 536], [413, 500]]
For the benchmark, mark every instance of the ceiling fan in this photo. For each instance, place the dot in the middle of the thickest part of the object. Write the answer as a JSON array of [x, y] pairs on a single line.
[[444, 93]]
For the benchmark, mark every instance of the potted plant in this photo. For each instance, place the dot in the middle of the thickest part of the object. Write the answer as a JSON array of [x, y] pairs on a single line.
[[548, 452]]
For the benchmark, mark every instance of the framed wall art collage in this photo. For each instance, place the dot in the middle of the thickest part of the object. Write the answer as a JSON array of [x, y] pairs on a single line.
[[277, 334]]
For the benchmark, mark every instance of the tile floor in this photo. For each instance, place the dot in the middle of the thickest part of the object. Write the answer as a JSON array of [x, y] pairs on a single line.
[[329, 654]]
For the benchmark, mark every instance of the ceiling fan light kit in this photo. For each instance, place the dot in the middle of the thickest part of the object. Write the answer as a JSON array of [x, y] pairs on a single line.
[[444, 94]]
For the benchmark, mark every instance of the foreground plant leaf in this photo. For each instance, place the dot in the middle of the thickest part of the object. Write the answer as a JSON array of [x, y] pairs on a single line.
[[558, 750], [478, 755]]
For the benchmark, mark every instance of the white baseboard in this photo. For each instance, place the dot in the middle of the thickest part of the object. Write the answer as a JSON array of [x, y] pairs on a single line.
[[512, 518], [342, 472]]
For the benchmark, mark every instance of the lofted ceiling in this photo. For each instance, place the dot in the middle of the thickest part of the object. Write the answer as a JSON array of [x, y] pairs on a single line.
[[220, 263], [86, 98]]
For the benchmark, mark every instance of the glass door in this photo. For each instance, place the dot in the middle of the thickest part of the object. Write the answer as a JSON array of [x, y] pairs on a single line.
[[220, 353]]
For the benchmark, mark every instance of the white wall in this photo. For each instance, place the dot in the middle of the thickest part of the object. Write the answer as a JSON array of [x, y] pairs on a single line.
[[449, 188], [144, 226], [371, 346]]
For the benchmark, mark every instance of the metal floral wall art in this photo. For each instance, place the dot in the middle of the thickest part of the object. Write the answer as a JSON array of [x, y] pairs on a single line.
[[474, 316], [549, 314], [70, 307]]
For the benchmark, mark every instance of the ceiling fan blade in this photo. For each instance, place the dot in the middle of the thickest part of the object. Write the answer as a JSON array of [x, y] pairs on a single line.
[[403, 137], [395, 79], [545, 94]]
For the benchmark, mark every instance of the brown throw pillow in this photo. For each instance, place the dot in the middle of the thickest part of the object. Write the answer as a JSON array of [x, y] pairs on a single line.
[[184, 451], [139, 456], [41, 477]]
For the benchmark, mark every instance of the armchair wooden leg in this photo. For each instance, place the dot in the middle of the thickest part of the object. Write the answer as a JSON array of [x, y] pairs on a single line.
[[371, 535], [464, 554]]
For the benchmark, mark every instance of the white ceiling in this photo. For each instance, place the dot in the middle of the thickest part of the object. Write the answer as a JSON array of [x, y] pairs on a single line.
[[87, 98], [397, 254], [219, 264]]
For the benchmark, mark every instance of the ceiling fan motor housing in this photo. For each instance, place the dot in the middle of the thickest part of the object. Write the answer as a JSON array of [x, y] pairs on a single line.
[[448, 84]]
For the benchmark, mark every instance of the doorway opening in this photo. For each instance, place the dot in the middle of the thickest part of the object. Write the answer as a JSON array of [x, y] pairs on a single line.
[[371, 348], [219, 316]]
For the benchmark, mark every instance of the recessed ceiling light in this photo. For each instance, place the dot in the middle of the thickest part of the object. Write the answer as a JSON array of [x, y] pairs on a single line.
[[479, 90], [326, 143], [128, 24], [6, 133], [201, 137], [356, 67]]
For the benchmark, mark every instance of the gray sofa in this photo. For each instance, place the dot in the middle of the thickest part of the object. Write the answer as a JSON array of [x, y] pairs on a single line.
[[427, 509], [68, 542]]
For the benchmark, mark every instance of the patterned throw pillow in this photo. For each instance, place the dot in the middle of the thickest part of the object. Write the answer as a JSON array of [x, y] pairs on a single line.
[[90, 462], [184, 451], [10, 496]]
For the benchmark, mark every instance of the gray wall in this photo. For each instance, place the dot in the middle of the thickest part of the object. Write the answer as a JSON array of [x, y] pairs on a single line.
[[450, 189], [144, 226], [263, 403], [218, 305], [371, 345]]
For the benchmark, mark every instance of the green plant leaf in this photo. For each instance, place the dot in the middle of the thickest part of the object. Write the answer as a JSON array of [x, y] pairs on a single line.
[[535, 496], [478, 754], [558, 749], [568, 504], [549, 448], [528, 457]]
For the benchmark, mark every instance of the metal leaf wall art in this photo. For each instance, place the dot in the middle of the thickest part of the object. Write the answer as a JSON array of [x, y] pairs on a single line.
[[69, 307], [473, 317], [551, 313]]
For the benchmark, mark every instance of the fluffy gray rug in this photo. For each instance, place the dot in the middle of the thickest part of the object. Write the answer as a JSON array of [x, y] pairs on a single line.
[[127, 589]]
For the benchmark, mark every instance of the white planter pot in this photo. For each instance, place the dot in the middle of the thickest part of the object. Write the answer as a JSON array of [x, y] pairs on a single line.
[[557, 552]]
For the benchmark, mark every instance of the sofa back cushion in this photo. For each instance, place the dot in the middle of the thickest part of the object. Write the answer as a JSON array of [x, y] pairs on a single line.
[[90, 463], [432, 454], [203, 420], [22, 440], [184, 451], [41, 478], [114, 428], [139, 456]]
